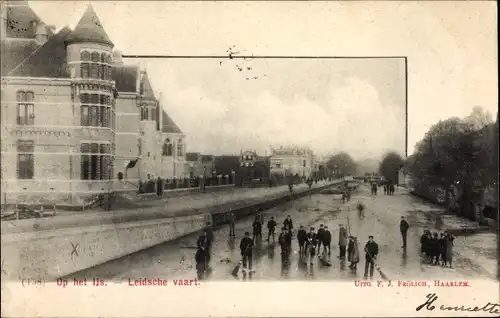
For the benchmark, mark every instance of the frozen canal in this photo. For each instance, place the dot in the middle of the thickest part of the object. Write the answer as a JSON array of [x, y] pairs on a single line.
[[474, 256]]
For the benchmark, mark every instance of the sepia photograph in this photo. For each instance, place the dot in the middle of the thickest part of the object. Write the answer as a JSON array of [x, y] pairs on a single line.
[[168, 158]]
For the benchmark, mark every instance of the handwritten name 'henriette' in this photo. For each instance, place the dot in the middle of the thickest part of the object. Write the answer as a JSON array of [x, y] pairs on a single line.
[[491, 308]]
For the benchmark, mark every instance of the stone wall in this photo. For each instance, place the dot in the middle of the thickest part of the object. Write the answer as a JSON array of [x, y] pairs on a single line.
[[56, 253]]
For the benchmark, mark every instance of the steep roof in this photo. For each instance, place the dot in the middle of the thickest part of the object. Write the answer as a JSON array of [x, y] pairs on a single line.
[[20, 18], [89, 29], [125, 77], [48, 61], [14, 51], [168, 125], [147, 89]]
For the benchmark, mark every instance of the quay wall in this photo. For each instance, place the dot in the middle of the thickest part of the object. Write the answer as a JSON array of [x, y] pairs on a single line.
[[47, 249]]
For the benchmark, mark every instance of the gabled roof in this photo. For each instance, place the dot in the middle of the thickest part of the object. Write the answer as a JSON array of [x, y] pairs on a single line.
[[89, 29], [125, 77], [168, 125], [14, 51], [48, 61]]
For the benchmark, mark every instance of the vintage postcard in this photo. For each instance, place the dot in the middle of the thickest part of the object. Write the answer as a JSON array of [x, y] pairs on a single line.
[[249, 159]]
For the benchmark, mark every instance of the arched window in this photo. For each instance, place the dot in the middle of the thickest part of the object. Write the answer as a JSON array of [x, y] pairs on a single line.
[[95, 57], [179, 148], [84, 66], [85, 56], [167, 148]]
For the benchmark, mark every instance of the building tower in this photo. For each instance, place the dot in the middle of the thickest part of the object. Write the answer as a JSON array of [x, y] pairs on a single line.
[[89, 59]]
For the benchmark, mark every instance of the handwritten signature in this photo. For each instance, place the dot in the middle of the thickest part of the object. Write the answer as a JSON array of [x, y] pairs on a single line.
[[491, 308]]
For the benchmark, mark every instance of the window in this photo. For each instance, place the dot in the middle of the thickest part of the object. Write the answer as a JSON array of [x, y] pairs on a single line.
[[85, 65], [144, 113], [96, 163], [167, 148], [179, 148], [25, 108], [25, 159], [278, 164], [95, 65], [96, 110]]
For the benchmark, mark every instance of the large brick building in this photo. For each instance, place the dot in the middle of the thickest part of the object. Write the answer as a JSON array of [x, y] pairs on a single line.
[[74, 117]]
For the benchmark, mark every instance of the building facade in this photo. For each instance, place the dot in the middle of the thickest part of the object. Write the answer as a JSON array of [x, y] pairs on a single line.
[[292, 161], [73, 116]]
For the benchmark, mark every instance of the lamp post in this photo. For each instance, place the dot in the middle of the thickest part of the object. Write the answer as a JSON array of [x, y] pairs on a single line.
[[204, 178]]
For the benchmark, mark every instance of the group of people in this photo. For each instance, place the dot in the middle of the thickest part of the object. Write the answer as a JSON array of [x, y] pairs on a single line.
[[437, 248], [311, 242], [389, 188]]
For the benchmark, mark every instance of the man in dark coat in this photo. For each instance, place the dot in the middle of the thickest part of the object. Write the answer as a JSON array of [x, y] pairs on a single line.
[[288, 223], [271, 226], [201, 264], [327, 240], [289, 239], [257, 229], [425, 243], [434, 248], [283, 241], [301, 238], [442, 249], [321, 232], [342, 241], [371, 252], [246, 248], [232, 221], [203, 244], [311, 242], [350, 247], [403, 228]]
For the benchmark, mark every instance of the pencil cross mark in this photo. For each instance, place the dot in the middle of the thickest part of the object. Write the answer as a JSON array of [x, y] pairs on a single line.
[[74, 251]]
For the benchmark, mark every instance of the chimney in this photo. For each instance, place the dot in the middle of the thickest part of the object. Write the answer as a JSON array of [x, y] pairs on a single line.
[[41, 34]]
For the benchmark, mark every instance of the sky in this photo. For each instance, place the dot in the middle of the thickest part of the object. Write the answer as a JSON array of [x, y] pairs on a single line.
[[351, 105]]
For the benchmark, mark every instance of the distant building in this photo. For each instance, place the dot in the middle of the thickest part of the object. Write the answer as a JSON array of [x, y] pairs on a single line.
[[198, 165], [292, 160], [248, 158]]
